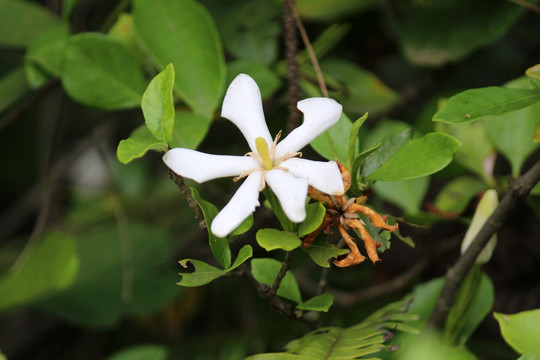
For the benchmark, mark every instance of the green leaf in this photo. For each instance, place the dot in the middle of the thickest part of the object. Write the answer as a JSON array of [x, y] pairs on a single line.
[[272, 239], [529, 357], [205, 273], [158, 107], [429, 36], [389, 145], [50, 265], [471, 305], [418, 157], [476, 147], [287, 224], [43, 58], [321, 10], [321, 302], [23, 21], [358, 341], [13, 87], [353, 141], [265, 78], [220, 246], [513, 133], [362, 91], [266, 270], [455, 196], [243, 227], [189, 129], [112, 283], [141, 352], [474, 104], [521, 330], [67, 7], [100, 72], [314, 217], [407, 194], [182, 32], [333, 143], [321, 252], [139, 142], [202, 275], [251, 30]]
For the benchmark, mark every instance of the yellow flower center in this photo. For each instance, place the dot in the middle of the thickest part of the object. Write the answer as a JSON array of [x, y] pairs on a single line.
[[264, 153]]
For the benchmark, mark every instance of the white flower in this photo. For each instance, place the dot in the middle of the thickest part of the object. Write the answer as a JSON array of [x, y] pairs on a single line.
[[276, 164]]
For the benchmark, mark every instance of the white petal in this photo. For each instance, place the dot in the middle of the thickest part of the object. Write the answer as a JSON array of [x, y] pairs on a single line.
[[291, 193], [243, 106], [319, 115], [243, 203], [322, 175], [201, 167]]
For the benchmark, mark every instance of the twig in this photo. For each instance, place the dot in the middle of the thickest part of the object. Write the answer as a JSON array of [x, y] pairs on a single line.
[[323, 281], [179, 181], [519, 189], [283, 271], [309, 48], [291, 50], [528, 5]]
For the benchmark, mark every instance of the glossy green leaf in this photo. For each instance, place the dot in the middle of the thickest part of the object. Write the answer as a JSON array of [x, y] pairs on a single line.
[[513, 133], [138, 144], [455, 196], [321, 302], [476, 150], [407, 194], [111, 284], [389, 145], [182, 32], [50, 265], [265, 78], [266, 270], [205, 273], [43, 58], [220, 246], [272, 239], [314, 217], [321, 252], [13, 87], [189, 129], [474, 104], [333, 143], [352, 149], [158, 106], [521, 330], [141, 352], [362, 91], [429, 36], [100, 72], [419, 157], [23, 21]]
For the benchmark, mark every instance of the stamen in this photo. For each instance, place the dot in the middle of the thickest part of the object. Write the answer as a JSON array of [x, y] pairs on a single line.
[[288, 156], [255, 156], [246, 173], [262, 149]]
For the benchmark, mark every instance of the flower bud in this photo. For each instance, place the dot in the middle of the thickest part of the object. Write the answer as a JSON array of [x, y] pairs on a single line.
[[485, 208]]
